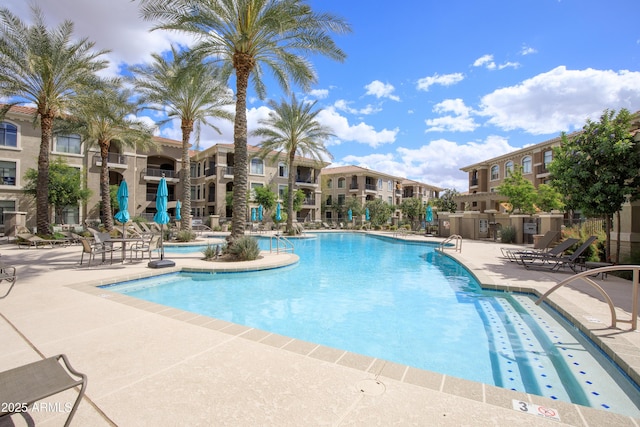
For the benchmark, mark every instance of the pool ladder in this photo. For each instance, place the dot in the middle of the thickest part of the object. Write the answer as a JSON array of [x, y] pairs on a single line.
[[446, 243], [280, 244]]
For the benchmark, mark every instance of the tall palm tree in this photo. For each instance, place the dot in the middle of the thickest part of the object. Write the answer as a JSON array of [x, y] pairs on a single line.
[[45, 67], [103, 117], [191, 91], [247, 35], [292, 129]]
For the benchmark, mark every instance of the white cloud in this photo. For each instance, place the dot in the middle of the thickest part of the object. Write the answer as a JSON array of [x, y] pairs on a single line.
[[343, 105], [361, 133], [443, 80], [485, 61], [460, 121], [509, 65], [319, 93], [527, 50], [381, 90], [437, 163], [561, 100]]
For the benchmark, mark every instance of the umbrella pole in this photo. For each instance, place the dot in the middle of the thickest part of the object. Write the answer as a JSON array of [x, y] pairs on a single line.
[[161, 243]]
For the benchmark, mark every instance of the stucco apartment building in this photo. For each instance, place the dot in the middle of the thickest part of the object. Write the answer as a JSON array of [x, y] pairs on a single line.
[[364, 184]]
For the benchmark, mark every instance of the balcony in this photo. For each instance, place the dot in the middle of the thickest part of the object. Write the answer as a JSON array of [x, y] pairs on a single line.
[[228, 172], [543, 170], [353, 186], [368, 188], [306, 182], [114, 161], [154, 175], [309, 201], [474, 182]]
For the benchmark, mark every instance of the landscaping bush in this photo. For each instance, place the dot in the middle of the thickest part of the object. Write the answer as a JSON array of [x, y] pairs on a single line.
[[185, 236], [209, 252], [244, 248], [508, 234]]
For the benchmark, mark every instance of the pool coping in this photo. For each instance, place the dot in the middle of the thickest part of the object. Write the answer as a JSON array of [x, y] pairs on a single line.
[[480, 392]]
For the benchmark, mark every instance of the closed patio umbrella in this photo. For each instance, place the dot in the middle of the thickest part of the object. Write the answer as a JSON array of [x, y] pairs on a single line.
[[429, 214], [260, 213], [253, 214], [178, 206], [123, 201], [278, 213], [161, 217], [366, 214], [350, 214]]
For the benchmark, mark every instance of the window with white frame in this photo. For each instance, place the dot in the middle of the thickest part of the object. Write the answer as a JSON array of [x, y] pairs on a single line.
[[329, 183], [68, 144], [8, 172], [526, 165], [547, 158], [495, 172], [379, 183], [255, 185], [389, 185], [257, 166], [283, 170], [508, 168], [6, 206], [341, 199], [8, 135], [282, 191], [341, 182]]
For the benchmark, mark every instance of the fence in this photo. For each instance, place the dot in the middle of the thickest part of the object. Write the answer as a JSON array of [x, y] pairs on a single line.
[[591, 226]]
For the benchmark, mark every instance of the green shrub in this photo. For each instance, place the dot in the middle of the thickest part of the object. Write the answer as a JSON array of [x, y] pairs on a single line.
[[392, 228], [508, 234], [185, 236], [209, 252], [244, 248]]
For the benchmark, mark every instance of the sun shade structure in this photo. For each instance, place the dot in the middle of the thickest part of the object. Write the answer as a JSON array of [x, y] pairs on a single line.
[[178, 207], [161, 218], [278, 213], [122, 215], [429, 215], [350, 214]]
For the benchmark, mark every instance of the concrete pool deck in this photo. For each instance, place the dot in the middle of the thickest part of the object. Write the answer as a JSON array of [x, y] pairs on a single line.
[[151, 365]]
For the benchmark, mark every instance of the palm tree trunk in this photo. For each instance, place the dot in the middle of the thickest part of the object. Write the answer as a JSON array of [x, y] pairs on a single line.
[[42, 194], [187, 128], [291, 191], [107, 219], [243, 64]]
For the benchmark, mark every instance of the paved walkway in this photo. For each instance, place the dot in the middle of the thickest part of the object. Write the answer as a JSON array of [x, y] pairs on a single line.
[[149, 365]]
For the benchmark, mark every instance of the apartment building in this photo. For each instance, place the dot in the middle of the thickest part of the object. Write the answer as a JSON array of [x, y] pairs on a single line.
[[212, 173], [364, 184]]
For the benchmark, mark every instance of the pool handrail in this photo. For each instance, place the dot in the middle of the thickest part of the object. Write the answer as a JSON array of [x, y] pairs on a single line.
[[594, 272], [458, 242], [282, 244]]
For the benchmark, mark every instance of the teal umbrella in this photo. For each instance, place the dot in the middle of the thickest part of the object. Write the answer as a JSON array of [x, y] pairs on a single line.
[[350, 214], [123, 201], [260, 213], [253, 214], [161, 217], [278, 213], [429, 214], [366, 214], [178, 206]]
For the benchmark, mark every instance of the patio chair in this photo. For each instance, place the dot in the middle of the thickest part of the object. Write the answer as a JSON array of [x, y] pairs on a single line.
[[32, 241], [542, 245], [95, 248], [27, 384], [8, 273], [146, 246], [556, 251], [572, 260]]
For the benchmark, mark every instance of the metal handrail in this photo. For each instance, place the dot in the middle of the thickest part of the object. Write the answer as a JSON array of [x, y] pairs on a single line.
[[594, 272], [282, 244], [458, 244]]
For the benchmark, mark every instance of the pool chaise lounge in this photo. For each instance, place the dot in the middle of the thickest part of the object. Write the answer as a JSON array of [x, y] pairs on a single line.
[[557, 251], [8, 274], [555, 262], [542, 245]]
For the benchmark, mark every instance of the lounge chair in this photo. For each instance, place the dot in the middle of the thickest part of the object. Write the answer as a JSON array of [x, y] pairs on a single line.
[[556, 251], [542, 245], [146, 246], [21, 387], [32, 241], [95, 248], [555, 262], [8, 273]]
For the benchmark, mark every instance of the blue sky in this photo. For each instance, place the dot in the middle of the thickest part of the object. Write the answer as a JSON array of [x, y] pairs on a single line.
[[429, 86]]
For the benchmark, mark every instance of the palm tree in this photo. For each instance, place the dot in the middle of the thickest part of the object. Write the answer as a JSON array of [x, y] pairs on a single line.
[[292, 129], [247, 35], [103, 117], [191, 91], [45, 67]]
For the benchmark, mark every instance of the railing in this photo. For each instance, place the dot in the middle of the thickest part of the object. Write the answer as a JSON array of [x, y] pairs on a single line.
[[309, 201], [115, 158], [159, 172], [282, 244], [594, 272], [372, 187], [446, 243], [353, 186], [228, 170]]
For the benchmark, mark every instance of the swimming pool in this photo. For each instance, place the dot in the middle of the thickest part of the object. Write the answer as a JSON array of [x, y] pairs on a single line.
[[405, 303]]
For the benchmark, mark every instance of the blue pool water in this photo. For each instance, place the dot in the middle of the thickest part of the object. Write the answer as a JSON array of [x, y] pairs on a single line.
[[405, 303]]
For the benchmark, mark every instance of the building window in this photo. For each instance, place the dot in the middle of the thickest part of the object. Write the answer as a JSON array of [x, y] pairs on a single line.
[[526, 165], [281, 191], [8, 173], [389, 185], [547, 158], [390, 201], [6, 206], [340, 199], [283, 170], [197, 191], [254, 185], [341, 182], [495, 172], [508, 168], [379, 183], [329, 183], [193, 192], [329, 200], [8, 135], [68, 144], [192, 168], [257, 166], [198, 172]]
